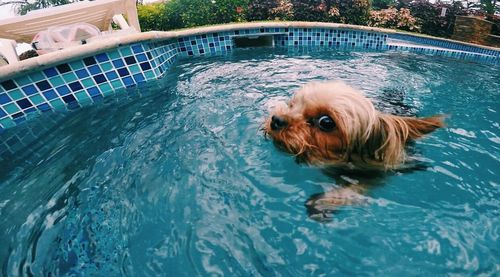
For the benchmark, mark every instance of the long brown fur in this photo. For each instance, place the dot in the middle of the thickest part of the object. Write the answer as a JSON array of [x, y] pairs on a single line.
[[363, 137]]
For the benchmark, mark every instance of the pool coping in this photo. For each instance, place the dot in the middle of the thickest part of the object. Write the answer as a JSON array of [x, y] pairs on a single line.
[[76, 52]]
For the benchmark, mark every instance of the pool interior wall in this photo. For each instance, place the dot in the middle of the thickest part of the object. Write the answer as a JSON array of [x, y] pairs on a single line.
[[76, 83]]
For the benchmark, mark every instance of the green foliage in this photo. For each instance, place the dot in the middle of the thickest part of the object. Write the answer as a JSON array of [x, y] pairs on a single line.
[[151, 17], [310, 10], [489, 6], [225, 11], [343, 11], [176, 14], [430, 21], [383, 4], [495, 29], [353, 11], [23, 7], [261, 10]]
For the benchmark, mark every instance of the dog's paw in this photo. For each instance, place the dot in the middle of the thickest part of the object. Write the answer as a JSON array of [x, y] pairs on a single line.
[[322, 206]]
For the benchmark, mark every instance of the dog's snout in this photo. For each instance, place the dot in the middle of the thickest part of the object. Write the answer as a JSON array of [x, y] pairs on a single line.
[[278, 122]]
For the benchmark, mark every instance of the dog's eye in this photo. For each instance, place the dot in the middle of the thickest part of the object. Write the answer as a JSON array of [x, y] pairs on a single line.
[[326, 123]]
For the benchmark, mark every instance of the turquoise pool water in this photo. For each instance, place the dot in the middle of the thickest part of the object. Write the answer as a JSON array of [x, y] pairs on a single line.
[[174, 178]]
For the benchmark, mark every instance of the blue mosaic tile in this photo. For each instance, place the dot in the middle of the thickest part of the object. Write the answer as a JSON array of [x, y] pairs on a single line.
[[111, 75], [101, 57], [8, 85], [24, 103], [63, 68], [94, 69], [128, 81], [137, 48], [82, 73], [130, 60], [93, 91], [118, 63], [99, 78], [89, 61], [69, 98], [123, 72], [62, 90], [29, 89], [69, 86], [75, 86], [50, 72], [44, 107], [43, 85], [139, 78], [4, 98]]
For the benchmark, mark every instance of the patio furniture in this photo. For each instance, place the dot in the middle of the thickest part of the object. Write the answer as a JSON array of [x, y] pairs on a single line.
[[100, 13]]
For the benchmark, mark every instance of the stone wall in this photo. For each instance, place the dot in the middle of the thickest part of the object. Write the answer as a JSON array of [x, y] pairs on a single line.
[[472, 29]]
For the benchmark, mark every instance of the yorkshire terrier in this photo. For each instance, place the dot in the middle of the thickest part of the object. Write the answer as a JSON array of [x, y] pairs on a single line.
[[332, 125]]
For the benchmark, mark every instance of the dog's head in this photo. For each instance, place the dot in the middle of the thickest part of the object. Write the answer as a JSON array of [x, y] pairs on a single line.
[[333, 124]]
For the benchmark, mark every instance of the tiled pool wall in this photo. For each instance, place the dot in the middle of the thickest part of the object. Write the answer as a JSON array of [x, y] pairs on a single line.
[[444, 44], [76, 83]]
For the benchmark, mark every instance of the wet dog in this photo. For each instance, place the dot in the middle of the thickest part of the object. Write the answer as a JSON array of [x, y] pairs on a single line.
[[333, 126]]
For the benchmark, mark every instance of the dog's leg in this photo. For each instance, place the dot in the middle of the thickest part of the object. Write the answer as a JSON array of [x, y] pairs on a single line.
[[321, 206]]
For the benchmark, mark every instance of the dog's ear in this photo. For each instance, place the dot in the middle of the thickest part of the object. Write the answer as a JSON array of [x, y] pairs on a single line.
[[417, 127], [396, 131]]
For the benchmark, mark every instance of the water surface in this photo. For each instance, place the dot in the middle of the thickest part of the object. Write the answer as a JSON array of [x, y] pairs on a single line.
[[174, 178]]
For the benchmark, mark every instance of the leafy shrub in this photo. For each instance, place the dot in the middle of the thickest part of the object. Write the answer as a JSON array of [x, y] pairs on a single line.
[[343, 11], [310, 10], [151, 17], [176, 14], [392, 18], [429, 19], [383, 4], [194, 12], [352, 11], [495, 29], [225, 11], [261, 10]]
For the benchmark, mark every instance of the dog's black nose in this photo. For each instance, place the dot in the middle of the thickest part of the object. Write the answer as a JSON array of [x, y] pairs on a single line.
[[278, 123]]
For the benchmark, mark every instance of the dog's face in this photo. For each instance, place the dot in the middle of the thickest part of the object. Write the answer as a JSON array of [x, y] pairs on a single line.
[[333, 124]]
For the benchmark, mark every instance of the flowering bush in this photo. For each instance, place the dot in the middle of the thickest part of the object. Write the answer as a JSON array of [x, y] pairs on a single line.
[[283, 10], [392, 18], [343, 11]]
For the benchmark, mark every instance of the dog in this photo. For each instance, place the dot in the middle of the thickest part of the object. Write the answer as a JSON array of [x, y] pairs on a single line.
[[335, 127]]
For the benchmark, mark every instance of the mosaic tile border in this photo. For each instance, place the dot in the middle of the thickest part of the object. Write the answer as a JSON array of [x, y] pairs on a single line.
[[76, 83], [444, 44]]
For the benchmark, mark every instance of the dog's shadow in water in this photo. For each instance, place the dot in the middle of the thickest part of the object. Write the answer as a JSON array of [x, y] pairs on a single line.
[[352, 189]]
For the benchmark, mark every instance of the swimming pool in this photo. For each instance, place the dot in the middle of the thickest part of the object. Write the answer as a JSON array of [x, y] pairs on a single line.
[[175, 178]]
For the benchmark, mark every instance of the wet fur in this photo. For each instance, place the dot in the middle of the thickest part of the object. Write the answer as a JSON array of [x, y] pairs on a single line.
[[363, 137], [363, 146]]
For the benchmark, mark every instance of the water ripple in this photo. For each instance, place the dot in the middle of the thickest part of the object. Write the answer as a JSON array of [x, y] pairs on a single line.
[[175, 178]]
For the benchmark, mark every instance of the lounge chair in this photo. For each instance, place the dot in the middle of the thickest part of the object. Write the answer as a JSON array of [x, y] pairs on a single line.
[[100, 13]]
